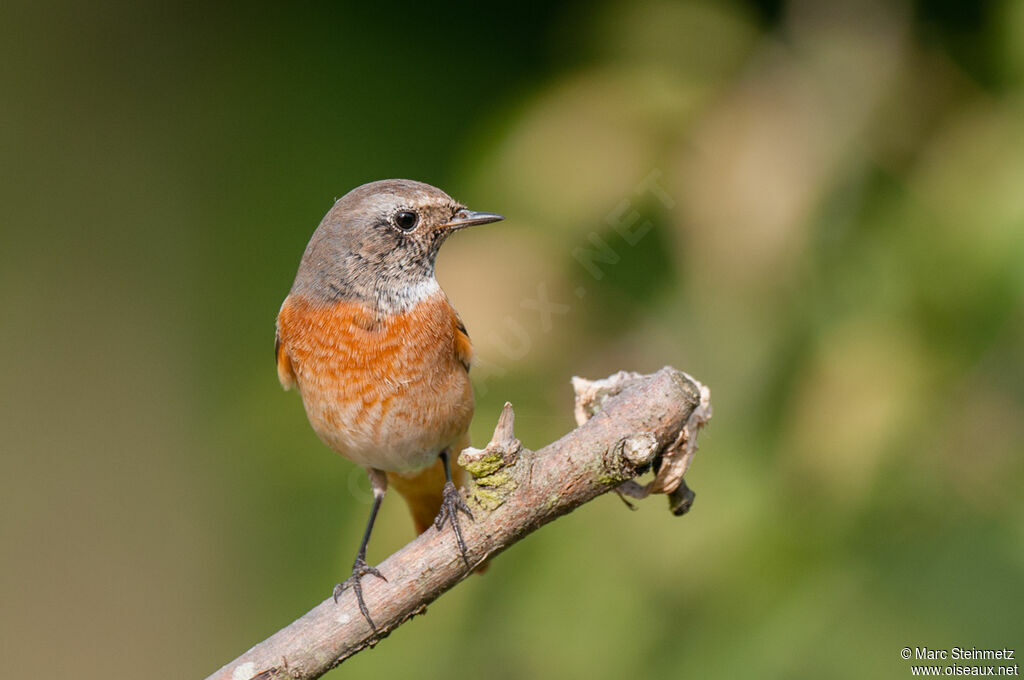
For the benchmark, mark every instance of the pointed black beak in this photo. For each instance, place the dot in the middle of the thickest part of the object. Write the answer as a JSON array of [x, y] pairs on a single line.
[[467, 218]]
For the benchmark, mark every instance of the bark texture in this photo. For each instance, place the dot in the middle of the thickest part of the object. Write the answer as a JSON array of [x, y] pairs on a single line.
[[629, 424]]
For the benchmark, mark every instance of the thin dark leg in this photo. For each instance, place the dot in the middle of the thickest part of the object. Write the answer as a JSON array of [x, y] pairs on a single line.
[[361, 555], [379, 482], [451, 504]]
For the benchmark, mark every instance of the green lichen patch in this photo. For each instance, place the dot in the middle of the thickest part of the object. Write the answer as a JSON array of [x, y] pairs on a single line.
[[488, 499], [490, 492], [483, 466]]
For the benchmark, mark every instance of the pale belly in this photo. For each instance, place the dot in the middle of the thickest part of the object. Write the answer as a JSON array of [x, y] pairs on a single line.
[[397, 425]]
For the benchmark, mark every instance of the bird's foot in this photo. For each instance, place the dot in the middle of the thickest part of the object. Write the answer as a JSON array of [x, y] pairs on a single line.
[[359, 570], [451, 504]]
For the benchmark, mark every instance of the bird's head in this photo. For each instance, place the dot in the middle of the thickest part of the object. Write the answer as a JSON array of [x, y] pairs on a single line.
[[381, 240]]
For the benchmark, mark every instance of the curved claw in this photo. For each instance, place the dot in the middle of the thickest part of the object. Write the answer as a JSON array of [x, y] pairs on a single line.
[[359, 569], [451, 504]]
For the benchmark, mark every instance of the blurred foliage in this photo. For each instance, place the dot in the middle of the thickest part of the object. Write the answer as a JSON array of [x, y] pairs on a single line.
[[817, 208]]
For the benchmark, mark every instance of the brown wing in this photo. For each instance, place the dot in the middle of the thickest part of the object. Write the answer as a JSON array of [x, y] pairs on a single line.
[[284, 365], [463, 347]]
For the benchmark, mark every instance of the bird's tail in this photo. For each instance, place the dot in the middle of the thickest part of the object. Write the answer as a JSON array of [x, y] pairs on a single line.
[[423, 491]]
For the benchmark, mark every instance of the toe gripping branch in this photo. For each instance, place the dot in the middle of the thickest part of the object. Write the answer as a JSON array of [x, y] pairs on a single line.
[[492, 481], [359, 569], [632, 426], [452, 503]]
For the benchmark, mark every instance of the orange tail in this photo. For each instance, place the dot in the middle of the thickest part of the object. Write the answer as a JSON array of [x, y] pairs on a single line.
[[422, 491]]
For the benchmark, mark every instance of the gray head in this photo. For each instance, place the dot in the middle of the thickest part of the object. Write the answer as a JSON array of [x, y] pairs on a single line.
[[378, 244]]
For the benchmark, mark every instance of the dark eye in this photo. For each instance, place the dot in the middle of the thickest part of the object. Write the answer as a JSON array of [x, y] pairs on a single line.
[[406, 221]]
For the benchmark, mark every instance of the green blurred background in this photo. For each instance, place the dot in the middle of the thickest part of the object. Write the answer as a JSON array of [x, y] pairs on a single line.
[[836, 248]]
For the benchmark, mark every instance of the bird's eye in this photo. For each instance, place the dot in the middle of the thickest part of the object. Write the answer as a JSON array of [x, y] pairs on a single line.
[[406, 221]]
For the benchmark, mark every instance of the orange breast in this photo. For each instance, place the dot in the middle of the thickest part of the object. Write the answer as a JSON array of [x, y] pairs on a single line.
[[387, 392]]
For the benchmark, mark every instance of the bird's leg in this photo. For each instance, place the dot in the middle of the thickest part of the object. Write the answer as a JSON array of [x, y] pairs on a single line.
[[379, 482], [451, 504]]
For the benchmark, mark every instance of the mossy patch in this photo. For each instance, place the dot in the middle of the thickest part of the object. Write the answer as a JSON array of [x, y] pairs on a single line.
[[484, 466], [491, 492]]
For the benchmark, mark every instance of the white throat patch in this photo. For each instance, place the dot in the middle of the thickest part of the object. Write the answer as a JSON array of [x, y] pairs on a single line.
[[396, 301]]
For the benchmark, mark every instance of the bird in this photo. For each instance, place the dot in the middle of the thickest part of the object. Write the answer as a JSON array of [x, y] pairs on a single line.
[[378, 354]]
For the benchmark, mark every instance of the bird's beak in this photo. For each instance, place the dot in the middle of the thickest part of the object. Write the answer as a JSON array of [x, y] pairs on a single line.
[[467, 218]]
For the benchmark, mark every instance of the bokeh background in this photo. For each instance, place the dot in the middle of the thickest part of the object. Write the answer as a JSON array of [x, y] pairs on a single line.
[[834, 243]]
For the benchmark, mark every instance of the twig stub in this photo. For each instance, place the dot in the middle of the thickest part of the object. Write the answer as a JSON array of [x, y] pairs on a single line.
[[514, 491]]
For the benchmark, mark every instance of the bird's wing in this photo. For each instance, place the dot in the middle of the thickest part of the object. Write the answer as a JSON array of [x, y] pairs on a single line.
[[463, 347], [284, 365]]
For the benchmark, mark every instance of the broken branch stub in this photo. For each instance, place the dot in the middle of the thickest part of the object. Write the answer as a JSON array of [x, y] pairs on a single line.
[[632, 423], [491, 483], [671, 466]]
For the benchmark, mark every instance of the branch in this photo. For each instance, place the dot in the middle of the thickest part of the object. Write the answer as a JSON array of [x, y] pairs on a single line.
[[628, 424]]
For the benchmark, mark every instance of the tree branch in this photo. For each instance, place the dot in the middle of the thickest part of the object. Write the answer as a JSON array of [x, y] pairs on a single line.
[[628, 424]]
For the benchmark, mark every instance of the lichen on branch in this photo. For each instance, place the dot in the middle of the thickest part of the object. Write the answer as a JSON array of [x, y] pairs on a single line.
[[629, 424]]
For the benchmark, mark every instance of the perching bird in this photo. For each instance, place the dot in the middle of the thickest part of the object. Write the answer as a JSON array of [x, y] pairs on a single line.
[[377, 352]]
